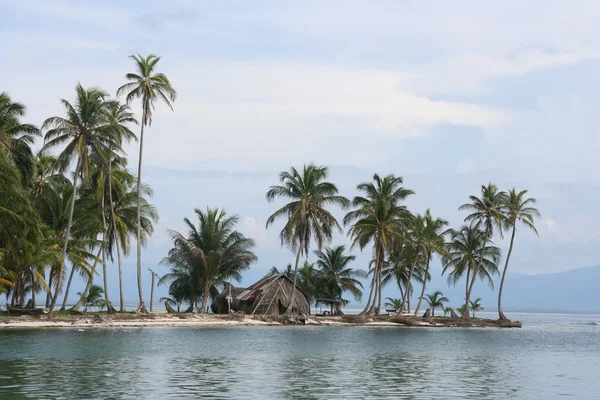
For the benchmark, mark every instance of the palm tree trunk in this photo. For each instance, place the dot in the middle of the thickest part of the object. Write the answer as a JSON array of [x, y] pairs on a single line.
[[487, 235], [512, 239], [68, 289], [152, 292], [424, 286], [406, 299], [67, 234], [204, 298], [116, 238], [32, 287], [473, 279], [49, 293], [374, 284], [88, 286], [289, 307], [380, 286], [142, 306], [366, 309]]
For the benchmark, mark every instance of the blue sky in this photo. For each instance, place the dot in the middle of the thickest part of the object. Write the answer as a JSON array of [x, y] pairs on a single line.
[[449, 95]]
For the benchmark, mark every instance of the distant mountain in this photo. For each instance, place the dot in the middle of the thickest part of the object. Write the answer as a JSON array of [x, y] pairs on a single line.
[[577, 290], [572, 291]]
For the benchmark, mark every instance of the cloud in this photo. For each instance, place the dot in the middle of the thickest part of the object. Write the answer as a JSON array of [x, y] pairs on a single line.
[[56, 41], [550, 225]]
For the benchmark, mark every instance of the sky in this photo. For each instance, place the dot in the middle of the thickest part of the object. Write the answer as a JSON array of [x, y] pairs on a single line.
[[449, 95]]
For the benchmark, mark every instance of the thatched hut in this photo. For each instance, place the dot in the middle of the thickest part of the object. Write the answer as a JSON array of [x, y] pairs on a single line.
[[269, 296]]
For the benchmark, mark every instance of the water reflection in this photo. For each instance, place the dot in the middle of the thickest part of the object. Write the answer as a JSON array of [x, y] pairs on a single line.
[[298, 363]]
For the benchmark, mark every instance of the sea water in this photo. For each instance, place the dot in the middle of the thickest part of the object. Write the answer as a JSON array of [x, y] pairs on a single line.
[[552, 356]]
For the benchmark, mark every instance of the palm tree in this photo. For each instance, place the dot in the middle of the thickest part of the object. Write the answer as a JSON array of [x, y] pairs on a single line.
[[81, 131], [149, 86], [93, 298], [378, 219], [337, 277], [16, 137], [469, 252], [436, 300], [488, 212], [53, 206], [306, 215], [518, 208], [288, 271], [309, 281], [45, 169], [476, 306], [211, 254], [446, 310], [401, 258], [118, 116], [393, 303], [434, 233]]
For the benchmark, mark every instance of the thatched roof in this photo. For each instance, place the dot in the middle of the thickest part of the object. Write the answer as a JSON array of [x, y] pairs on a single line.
[[271, 295]]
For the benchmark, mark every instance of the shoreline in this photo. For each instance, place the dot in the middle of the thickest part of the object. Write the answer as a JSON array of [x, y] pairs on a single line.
[[136, 320]]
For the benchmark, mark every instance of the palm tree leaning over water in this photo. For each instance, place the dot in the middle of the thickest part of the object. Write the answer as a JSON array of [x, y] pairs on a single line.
[[80, 131], [488, 213], [517, 208], [378, 218], [149, 86], [306, 215]]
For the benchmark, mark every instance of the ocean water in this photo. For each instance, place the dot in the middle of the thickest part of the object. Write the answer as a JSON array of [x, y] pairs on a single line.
[[553, 356]]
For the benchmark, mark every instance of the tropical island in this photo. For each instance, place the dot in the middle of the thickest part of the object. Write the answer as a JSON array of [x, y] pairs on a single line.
[[72, 208]]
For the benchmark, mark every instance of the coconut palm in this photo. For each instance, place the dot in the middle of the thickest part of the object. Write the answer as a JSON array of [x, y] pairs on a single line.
[[93, 298], [487, 212], [393, 303], [378, 218], [306, 215], [476, 306], [211, 254], [81, 131], [337, 277], [436, 300], [288, 271], [434, 234], [401, 258], [16, 137], [518, 208], [118, 117], [470, 253], [309, 281], [150, 87], [45, 168]]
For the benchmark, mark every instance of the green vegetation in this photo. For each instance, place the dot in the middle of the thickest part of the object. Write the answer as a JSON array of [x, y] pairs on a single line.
[[62, 215], [212, 253], [150, 87], [306, 216], [436, 300], [73, 205]]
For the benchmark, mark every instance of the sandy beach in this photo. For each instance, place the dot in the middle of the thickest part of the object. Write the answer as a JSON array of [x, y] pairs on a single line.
[[211, 320]]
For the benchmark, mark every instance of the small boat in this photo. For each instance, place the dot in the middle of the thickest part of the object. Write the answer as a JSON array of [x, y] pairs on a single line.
[[26, 311]]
